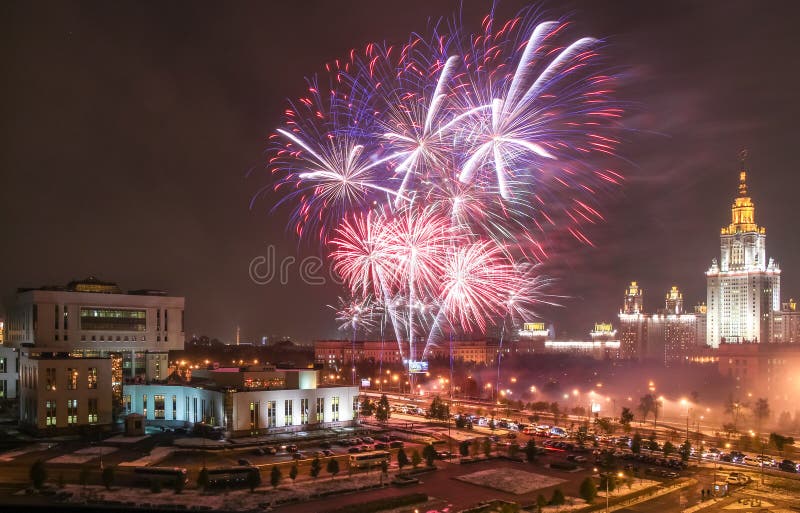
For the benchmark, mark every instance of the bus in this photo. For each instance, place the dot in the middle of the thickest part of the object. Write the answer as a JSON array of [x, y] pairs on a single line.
[[233, 476], [166, 476], [368, 459]]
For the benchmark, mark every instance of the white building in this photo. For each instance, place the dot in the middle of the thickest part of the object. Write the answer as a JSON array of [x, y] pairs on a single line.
[[743, 287], [88, 326], [246, 410], [64, 394], [9, 360], [94, 318]]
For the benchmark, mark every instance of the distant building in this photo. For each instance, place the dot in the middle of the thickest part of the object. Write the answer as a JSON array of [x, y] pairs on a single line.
[[762, 370], [743, 287], [669, 335], [336, 354], [785, 324], [633, 336]]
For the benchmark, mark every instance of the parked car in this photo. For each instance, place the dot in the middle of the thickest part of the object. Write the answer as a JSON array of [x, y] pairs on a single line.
[[327, 452], [258, 451], [368, 440], [353, 450], [297, 455], [385, 438], [291, 448], [244, 463], [788, 466], [325, 445], [380, 446], [271, 450], [396, 444]]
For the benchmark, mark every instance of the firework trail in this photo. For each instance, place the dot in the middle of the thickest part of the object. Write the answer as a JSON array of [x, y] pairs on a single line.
[[434, 173]]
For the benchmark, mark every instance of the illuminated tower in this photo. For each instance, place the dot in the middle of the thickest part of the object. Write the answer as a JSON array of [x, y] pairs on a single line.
[[743, 287], [632, 303], [674, 301], [633, 324]]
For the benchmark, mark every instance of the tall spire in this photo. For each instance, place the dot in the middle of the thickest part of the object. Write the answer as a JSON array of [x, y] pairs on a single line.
[[743, 174], [742, 210]]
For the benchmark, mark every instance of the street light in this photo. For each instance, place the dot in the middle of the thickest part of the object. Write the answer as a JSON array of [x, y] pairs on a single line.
[[619, 475]]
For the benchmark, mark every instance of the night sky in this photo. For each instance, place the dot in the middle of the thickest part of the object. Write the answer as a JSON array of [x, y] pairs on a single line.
[[133, 138]]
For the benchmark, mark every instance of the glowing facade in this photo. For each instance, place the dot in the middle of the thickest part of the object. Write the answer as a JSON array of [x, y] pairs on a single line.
[[743, 287]]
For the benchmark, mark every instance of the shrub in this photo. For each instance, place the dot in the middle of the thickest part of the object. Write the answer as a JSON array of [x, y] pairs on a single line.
[[558, 498], [108, 477], [38, 474], [588, 490], [382, 504]]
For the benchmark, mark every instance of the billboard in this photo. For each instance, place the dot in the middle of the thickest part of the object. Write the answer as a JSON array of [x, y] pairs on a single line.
[[417, 366], [365, 382]]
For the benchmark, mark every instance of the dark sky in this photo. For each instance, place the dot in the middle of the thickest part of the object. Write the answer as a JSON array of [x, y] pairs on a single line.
[[128, 130]]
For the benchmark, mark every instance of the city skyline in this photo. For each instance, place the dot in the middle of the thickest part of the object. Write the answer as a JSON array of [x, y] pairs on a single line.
[[659, 231]]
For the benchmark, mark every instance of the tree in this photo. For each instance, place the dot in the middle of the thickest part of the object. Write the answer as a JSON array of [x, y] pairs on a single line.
[[384, 469], [558, 498], [38, 474], [652, 444], [582, 435], [780, 441], [541, 502], [487, 447], [686, 450], [383, 410], [275, 476], [625, 418], [333, 466], [604, 424], [439, 409], [429, 453], [636, 443], [530, 451], [733, 407], [367, 407], [316, 467], [588, 490], [293, 472], [668, 448], [402, 458], [463, 448], [416, 459], [202, 479], [556, 411], [730, 429], [650, 404], [761, 412], [108, 477]]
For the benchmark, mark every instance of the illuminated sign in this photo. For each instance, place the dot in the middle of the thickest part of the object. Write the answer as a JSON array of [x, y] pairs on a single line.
[[417, 367], [595, 407], [365, 382]]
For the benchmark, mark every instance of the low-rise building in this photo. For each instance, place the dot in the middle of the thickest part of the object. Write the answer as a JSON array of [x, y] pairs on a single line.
[[229, 399], [60, 394]]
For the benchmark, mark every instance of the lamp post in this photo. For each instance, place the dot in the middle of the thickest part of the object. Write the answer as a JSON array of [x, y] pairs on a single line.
[[608, 476]]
